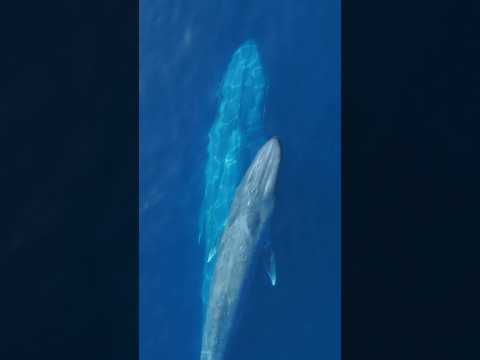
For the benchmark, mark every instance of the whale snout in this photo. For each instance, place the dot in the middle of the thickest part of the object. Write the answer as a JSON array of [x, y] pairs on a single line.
[[269, 160], [272, 149]]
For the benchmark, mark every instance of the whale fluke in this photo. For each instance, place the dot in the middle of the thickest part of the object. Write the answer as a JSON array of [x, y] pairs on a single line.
[[271, 267]]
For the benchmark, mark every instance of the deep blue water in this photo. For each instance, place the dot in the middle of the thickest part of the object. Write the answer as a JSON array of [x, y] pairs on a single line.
[[185, 47]]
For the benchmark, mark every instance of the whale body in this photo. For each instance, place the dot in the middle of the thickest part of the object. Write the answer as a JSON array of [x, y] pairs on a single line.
[[239, 249], [235, 136]]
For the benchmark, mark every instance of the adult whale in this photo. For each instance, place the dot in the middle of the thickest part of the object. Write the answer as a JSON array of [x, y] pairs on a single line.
[[234, 138], [239, 249]]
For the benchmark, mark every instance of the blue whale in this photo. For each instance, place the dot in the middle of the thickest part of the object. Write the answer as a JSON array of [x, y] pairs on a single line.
[[239, 249], [234, 138]]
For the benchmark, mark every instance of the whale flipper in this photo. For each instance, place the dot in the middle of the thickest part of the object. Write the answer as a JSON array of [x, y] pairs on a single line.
[[211, 254], [270, 265]]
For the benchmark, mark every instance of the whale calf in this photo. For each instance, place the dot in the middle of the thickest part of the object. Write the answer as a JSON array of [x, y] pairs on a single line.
[[240, 248]]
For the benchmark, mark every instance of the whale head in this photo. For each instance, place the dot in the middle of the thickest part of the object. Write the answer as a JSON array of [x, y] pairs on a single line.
[[255, 193], [261, 176]]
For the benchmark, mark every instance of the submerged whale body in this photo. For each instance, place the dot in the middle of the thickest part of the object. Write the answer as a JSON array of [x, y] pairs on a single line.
[[239, 249], [234, 137]]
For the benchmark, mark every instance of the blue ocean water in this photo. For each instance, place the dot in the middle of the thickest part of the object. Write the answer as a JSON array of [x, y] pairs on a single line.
[[185, 48]]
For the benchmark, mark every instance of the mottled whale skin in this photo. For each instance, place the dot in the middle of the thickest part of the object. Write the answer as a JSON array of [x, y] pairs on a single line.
[[239, 249]]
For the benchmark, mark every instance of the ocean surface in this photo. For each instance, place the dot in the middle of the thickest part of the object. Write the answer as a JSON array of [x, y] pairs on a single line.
[[185, 49]]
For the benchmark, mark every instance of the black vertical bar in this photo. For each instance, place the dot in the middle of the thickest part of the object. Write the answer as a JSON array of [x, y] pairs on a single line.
[[68, 256], [410, 107]]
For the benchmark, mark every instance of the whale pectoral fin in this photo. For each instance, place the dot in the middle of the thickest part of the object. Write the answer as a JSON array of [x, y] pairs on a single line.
[[200, 232], [211, 254], [270, 266]]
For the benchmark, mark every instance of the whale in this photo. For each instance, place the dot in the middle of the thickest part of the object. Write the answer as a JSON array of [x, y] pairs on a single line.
[[240, 249], [234, 138]]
